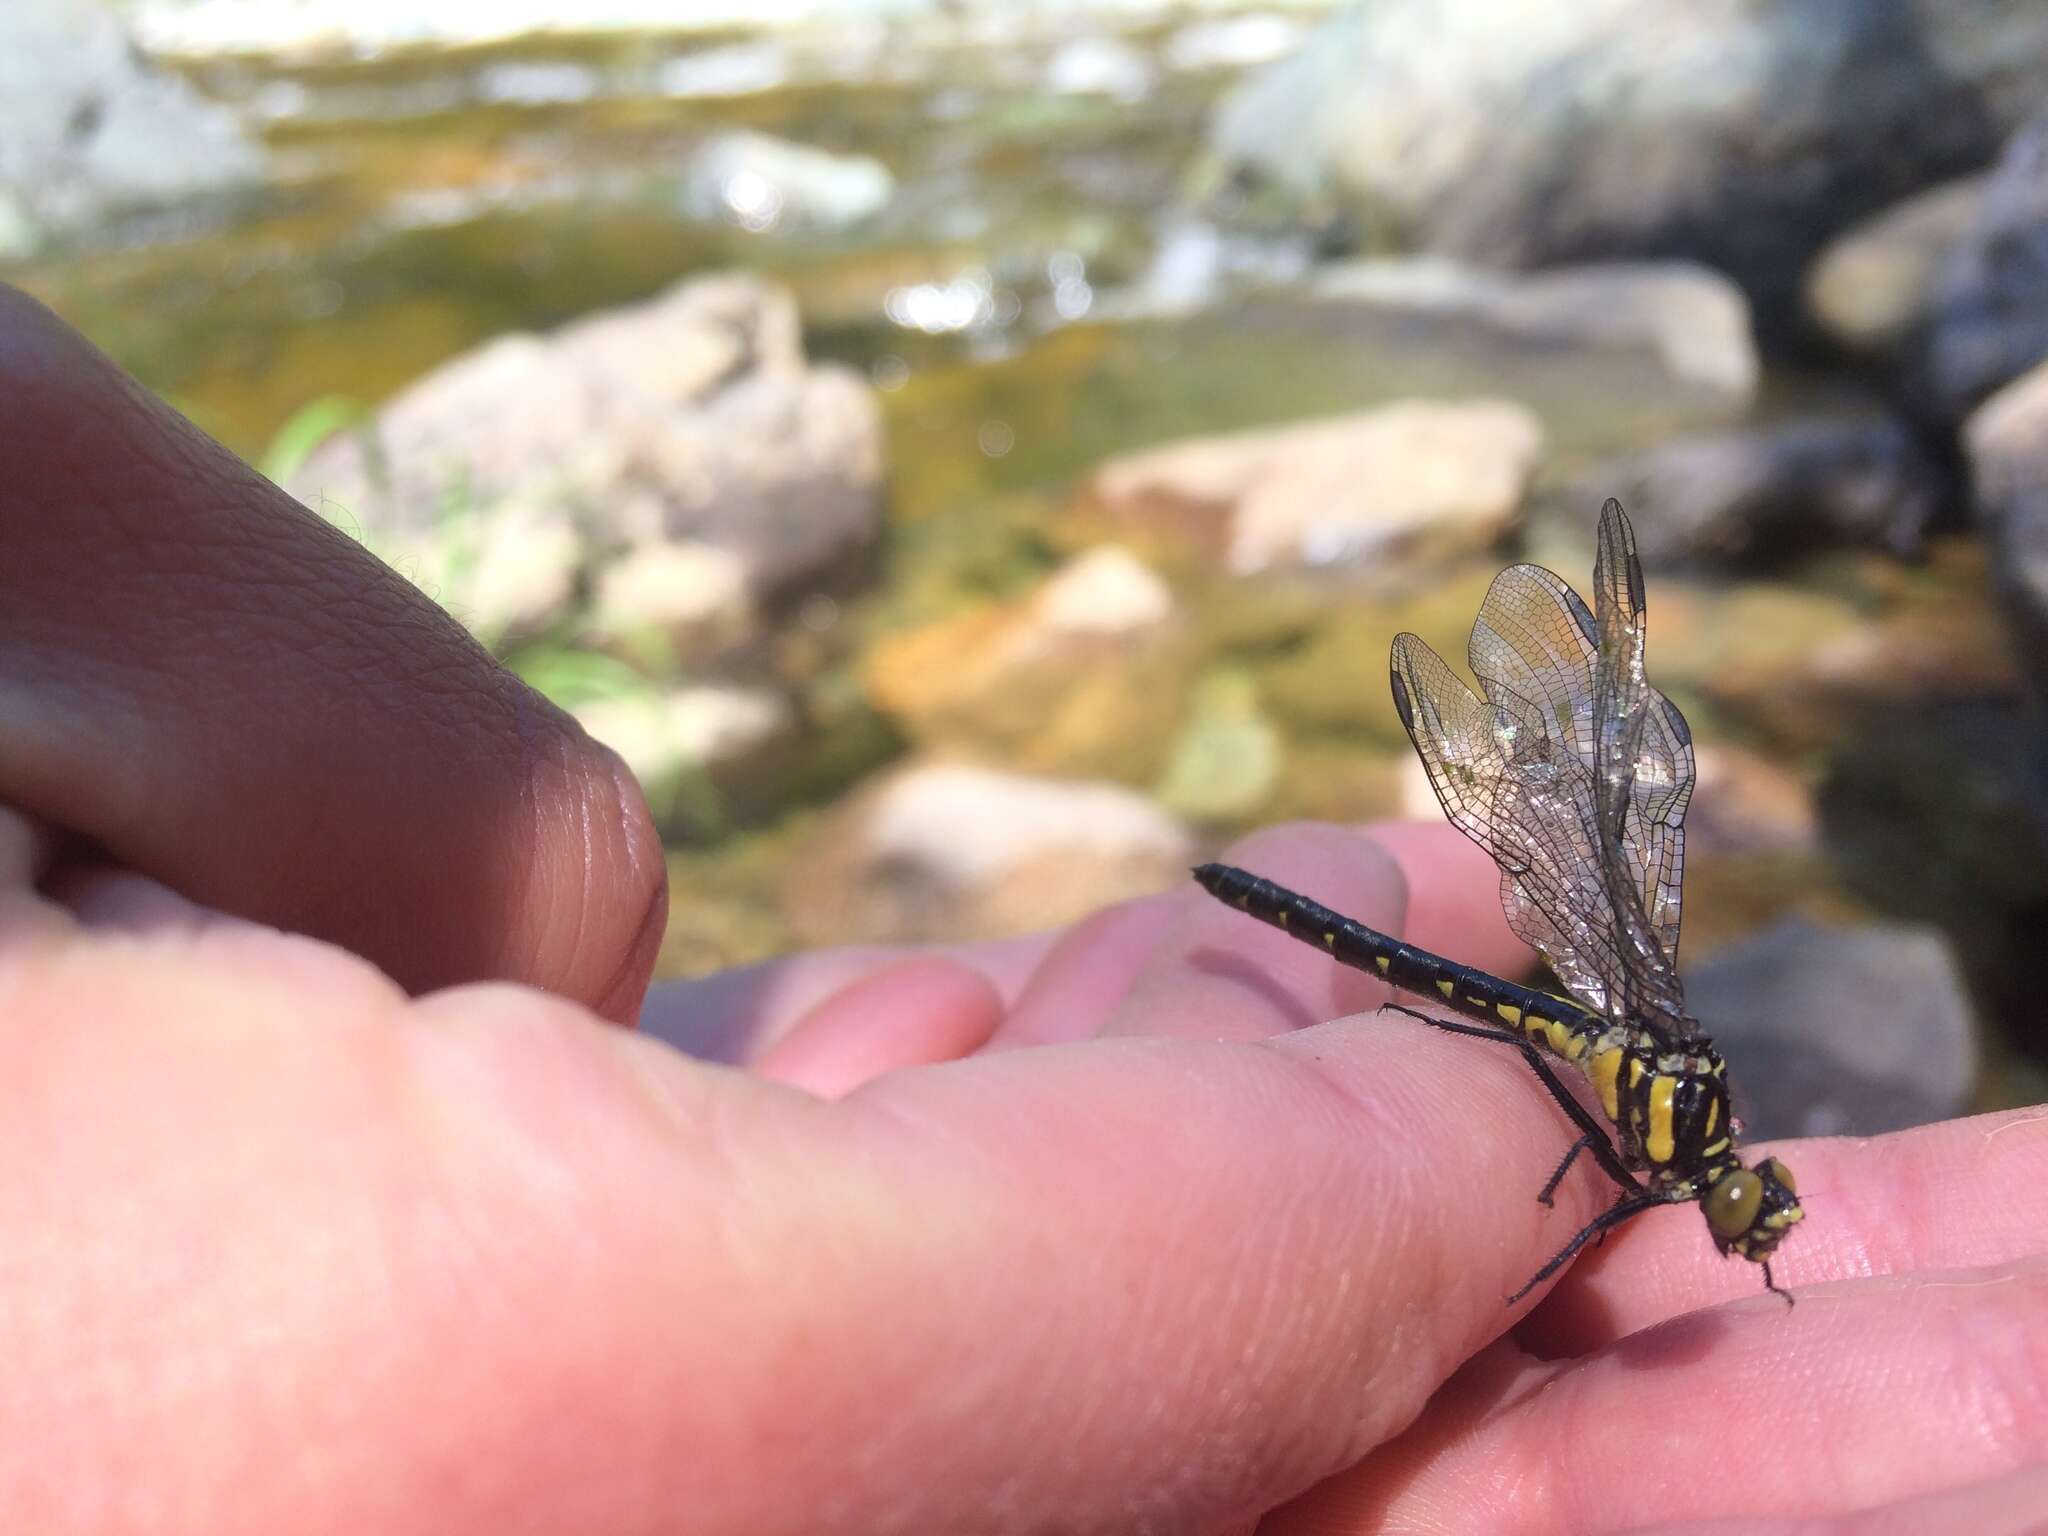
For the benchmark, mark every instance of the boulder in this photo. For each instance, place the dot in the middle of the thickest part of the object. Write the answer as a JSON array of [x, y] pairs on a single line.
[[692, 419], [89, 128], [673, 603], [1833, 1032], [1740, 136], [950, 851], [1693, 321], [1872, 287], [1086, 677], [1796, 483], [1987, 317], [1379, 493], [2006, 444]]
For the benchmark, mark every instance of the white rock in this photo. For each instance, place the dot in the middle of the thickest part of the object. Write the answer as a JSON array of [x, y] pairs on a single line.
[[1107, 591], [970, 826], [694, 595]]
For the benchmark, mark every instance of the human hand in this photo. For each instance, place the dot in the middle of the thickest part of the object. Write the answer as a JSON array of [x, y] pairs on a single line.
[[287, 1249]]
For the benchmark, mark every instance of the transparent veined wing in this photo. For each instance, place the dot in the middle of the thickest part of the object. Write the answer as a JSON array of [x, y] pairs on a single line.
[[1590, 869], [1643, 776]]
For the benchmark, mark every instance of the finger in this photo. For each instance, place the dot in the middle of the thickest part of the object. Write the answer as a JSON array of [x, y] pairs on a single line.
[[2011, 1505], [915, 1013], [1450, 905], [1089, 972], [1869, 1392], [1221, 975], [1453, 896], [1181, 1277], [225, 694], [1960, 1194], [736, 1016]]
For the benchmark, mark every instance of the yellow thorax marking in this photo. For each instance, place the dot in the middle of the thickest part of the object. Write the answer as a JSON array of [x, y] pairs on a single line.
[[1604, 1068], [1713, 1114], [1660, 1143]]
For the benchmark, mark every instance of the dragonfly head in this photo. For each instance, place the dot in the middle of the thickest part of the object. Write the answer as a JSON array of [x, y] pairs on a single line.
[[1749, 1210]]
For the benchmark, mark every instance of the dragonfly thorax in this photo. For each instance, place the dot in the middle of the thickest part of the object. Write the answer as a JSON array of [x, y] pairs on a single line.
[[1671, 1107]]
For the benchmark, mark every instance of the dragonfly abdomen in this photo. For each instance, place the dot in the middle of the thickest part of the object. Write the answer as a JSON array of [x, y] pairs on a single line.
[[1560, 1027]]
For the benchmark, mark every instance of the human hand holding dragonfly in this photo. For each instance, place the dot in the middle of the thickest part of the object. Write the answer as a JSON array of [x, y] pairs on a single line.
[[1144, 1242]]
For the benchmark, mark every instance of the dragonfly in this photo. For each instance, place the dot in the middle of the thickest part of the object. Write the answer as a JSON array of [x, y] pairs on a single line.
[[1574, 774]]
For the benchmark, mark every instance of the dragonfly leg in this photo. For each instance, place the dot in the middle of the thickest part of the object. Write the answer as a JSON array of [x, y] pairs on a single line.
[[1592, 1135], [1571, 1156], [1776, 1289], [1617, 1213]]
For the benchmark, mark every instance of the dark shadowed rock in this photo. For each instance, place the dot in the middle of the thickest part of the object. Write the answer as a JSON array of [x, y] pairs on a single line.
[[1832, 1031], [2006, 441], [692, 419], [1741, 136], [89, 128], [1802, 483], [1987, 320]]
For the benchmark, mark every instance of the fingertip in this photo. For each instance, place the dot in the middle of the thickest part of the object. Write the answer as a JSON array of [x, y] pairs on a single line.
[[1453, 894], [919, 1012]]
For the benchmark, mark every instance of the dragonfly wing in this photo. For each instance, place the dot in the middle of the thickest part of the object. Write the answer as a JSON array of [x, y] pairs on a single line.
[[1510, 783], [1643, 779], [1590, 847]]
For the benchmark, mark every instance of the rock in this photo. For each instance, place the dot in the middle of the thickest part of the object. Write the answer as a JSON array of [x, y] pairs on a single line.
[[690, 598], [1798, 483], [513, 583], [1087, 677], [763, 183], [1870, 289], [1799, 667], [948, 851], [691, 419], [1740, 136], [1693, 320], [2006, 444], [1832, 1032], [703, 753], [1379, 492], [1987, 320], [89, 129]]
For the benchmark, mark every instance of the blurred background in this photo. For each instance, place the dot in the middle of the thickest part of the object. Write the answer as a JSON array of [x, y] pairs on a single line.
[[971, 456]]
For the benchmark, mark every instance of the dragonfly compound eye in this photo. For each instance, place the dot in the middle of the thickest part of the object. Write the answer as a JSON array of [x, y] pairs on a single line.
[[1777, 1170], [1731, 1205]]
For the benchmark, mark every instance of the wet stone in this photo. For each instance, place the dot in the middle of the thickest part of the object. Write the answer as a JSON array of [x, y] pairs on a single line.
[[1797, 484], [1839, 1031]]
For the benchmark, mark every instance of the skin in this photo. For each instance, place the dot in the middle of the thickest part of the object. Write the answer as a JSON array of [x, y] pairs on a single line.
[[330, 1201]]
